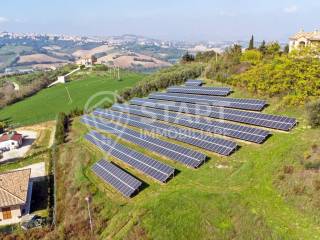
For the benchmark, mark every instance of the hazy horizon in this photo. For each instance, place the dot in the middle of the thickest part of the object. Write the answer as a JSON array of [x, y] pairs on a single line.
[[201, 20]]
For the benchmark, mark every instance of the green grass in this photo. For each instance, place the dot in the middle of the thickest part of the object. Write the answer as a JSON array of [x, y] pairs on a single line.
[[241, 201], [91, 88], [212, 203]]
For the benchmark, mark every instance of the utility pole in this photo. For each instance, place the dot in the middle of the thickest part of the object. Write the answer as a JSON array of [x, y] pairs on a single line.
[[118, 73], [89, 213]]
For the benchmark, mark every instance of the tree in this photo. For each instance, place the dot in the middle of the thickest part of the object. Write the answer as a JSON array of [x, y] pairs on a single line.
[[313, 110], [273, 48], [251, 43], [233, 54], [251, 56], [262, 47], [187, 57], [286, 49]]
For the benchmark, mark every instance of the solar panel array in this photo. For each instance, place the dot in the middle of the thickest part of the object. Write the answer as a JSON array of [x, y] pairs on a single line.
[[139, 161], [252, 118], [218, 145], [240, 103], [116, 177], [222, 128], [213, 91], [193, 82], [178, 153]]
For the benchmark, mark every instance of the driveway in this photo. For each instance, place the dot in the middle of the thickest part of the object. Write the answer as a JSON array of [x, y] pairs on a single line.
[[38, 170], [28, 139]]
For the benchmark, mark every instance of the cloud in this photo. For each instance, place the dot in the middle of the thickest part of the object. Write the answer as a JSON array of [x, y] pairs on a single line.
[[291, 9], [3, 19]]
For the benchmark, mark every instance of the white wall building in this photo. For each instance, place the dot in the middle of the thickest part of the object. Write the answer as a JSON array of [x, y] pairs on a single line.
[[303, 39], [10, 141]]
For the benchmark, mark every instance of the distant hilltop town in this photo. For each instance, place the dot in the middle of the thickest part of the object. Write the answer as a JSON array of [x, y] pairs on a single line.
[[24, 52]]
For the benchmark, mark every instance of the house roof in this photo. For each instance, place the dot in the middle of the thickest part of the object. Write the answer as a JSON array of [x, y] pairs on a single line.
[[11, 136], [14, 187], [312, 36]]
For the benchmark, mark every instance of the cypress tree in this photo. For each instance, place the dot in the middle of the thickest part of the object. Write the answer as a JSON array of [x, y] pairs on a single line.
[[262, 47], [251, 43]]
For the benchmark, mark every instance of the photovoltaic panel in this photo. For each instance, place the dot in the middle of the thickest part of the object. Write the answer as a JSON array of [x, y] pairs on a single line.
[[252, 118], [139, 161], [193, 82], [239, 103], [218, 145], [212, 91], [116, 177], [226, 129], [176, 152]]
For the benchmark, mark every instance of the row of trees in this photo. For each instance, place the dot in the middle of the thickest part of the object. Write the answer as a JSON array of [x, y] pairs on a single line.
[[175, 75], [265, 48], [61, 128]]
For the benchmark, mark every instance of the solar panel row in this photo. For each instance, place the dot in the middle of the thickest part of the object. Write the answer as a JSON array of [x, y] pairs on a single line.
[[141, 162], [178, 153], [116, 177], [218, 145], [214, 91], [240, 103], [193, 82], [253, 118], [226, 129]]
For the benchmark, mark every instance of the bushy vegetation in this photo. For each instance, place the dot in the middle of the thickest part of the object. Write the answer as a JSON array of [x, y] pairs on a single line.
[[61, 128], [268, 71], [171, 76], [206, 56], [313, 110], [251, 56], [295, 78], [187, 57]]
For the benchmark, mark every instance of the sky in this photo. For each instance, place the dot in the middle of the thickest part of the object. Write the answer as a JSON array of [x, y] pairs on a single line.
[[189, 20]]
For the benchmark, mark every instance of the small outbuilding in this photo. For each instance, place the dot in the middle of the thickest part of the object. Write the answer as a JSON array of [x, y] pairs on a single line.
[[10, 140]]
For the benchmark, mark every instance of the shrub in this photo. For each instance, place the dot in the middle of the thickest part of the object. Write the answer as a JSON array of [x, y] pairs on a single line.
[[164, 78], [61, 128], [312, 165], [251, 56], [313, 112]]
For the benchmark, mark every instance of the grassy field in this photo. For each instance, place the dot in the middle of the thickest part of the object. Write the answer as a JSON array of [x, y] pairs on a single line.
[[242, 200], [87, 88]]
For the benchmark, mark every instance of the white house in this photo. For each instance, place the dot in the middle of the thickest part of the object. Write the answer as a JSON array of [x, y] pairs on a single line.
[[87, 60], [15, 195], [303, 39], [10, 141]]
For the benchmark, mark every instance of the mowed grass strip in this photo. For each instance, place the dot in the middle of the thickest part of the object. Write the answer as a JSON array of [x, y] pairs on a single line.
[[95, 88]]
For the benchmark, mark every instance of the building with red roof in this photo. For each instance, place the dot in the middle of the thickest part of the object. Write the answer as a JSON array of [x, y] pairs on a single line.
[[10, 140]]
